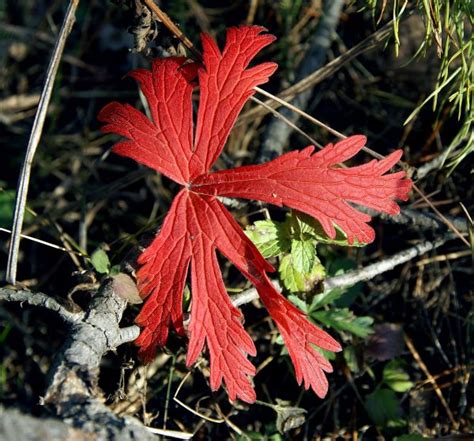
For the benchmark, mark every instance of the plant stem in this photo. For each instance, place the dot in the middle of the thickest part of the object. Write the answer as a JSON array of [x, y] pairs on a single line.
[[35, 136]]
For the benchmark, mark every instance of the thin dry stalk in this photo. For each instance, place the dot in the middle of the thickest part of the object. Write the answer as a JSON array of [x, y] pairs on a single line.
[[431, 379], [35, 136], [371, 42], [169, 24]]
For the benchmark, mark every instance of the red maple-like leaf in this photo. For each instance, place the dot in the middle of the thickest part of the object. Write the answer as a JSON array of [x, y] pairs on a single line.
[[198, 225]]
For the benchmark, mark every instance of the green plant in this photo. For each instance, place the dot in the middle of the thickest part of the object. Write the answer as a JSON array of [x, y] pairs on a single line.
[[295, 242], [383, 404], [448, 28]]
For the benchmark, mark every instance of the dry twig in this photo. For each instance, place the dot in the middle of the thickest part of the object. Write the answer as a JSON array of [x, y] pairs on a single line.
[[35, 136]]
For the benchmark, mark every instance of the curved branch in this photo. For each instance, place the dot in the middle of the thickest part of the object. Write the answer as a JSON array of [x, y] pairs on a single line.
[[73, 386], [73, 389], [42, 300], [360, 275]]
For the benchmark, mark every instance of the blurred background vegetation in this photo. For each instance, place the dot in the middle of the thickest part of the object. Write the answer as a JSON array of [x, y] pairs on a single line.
[[412, 91]]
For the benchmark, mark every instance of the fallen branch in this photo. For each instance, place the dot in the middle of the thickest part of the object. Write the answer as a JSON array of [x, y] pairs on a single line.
[[73, 391], [350, 278], [419, 219], [42, 300], [15, 426]]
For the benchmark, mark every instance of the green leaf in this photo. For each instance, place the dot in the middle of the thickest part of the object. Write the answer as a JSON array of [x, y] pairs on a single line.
[[352, 359], [115, 270], [326, 354], [307, 225], [345, 320], [300, 224], [383, 407], [304, 255], [292, 279], [395, 377], [100, 261], [7, 205], [339, 266], [299, 303], [270, 237], [325, 298], [7, 327], [295, 280]]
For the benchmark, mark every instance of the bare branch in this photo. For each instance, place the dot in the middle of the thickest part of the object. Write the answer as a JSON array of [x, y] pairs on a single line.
[[360, 275], [419, 219], [73, 389], [16, 426], [370, 271], [42, 300]]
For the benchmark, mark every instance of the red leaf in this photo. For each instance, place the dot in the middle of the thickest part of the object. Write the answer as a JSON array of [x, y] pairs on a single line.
[[198, 225], [161, 278], [166, 143], [226, 84], [299, 335], [311, 183]]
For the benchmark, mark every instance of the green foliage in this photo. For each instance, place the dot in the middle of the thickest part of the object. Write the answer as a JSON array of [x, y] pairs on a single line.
[[290, 12], [395, 377], [383, 404], [100, 261], [352, 361], [383, 407], [345, 320], [269, 237], [297, 275], [341, 319], [7, 205], [295, 241], [7, 327], [448, 28]]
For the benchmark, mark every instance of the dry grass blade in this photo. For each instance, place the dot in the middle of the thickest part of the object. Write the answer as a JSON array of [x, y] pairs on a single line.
[[276, 114], [314, 120], [36, 131], [430, 378], [441, 216], [43, 242], [171, 433], [324, 72]]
